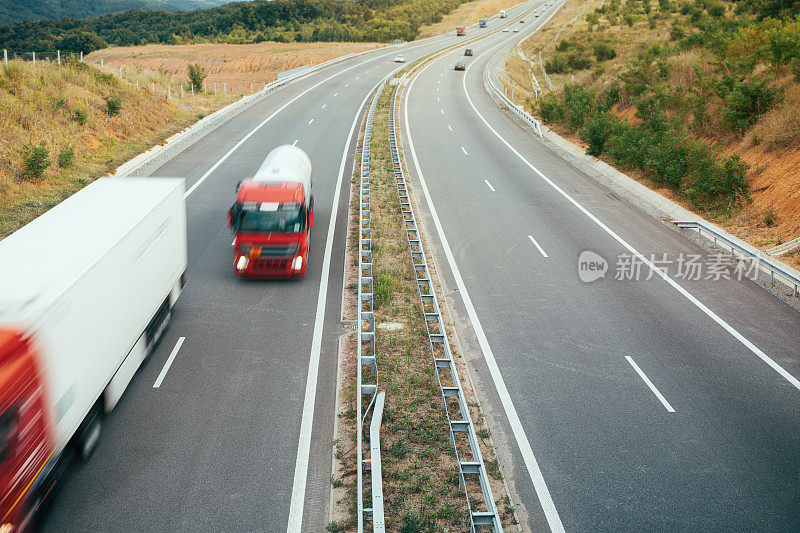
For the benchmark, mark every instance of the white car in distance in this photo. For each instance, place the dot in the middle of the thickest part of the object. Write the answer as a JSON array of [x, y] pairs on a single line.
[[399, 58]]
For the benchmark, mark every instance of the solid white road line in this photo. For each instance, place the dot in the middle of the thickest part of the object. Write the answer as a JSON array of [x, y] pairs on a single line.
[[252, 132], [304, 445], [659, 272], [310, 121], [531, 464], [437, 99], [168, 364], [489, 185], [464, 150], [295, 142], [541, 251], [649, 383]]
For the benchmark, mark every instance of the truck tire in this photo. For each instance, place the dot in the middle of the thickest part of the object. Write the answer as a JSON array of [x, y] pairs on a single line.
[[88, 433]]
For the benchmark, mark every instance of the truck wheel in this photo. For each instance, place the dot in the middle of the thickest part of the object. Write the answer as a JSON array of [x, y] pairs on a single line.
[[89, 433]]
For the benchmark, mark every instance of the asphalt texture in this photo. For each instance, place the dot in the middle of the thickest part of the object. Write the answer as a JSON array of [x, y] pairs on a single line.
[[214, 447], [614, 458]]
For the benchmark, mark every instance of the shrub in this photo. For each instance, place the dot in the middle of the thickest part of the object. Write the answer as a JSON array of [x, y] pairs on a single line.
[[551, 108], [197, 74], [769, 219], [80, 115], [604, 52], [711, 183], [35, 160], [556, 64], [579, 104], [599, 128], [565, 45], [105, 77], [746, 101], [579, 61], [677, 32], [609, 96], [113, 105], [66, 156], [715, 9]]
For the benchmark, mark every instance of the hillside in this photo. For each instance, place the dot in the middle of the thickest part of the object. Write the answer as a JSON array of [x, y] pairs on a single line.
[[236, 23], [699, 100], [33, 10]]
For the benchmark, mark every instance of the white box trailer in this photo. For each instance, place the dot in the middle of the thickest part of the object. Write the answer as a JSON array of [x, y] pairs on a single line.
[[91, 283]]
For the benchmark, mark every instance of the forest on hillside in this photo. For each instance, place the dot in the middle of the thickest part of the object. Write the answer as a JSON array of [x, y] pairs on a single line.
[[240, 22]]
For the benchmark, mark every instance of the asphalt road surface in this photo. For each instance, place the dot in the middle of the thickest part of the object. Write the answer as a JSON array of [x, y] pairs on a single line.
[[618, 405], [217, 446]]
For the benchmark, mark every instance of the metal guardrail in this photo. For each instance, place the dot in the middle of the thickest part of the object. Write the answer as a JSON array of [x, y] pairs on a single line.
[[365, 351], [458, 416], [784, 248], [532, 122], [747, 251], [293, 72], [159, 154]]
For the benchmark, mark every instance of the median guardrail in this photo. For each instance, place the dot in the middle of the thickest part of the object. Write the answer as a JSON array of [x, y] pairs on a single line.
[[155, 157], [785, 274], [458, 416], [365, 351]]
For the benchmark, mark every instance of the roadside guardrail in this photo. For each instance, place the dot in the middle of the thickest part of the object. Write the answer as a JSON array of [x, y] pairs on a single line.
[[747, 251], [365, 351], [458, 417], [784, 248], [494, 85], [159, 154]]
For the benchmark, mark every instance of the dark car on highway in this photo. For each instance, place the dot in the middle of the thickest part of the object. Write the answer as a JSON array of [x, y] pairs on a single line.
[[460, 66], [468, 52]]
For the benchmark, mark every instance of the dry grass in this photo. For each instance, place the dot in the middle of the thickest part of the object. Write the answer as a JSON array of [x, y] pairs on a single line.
[[420, 473], [771, 148], [236, 65], [38, 104], [467, 13]]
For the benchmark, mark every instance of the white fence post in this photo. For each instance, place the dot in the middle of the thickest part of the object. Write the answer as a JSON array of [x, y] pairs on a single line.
[[192, 89], [204, 86], [58, 55], [251, 87], [81, 56], [215, 87], [154, 88], [169, 91], [5, 56], [34, 58], [102, 62]]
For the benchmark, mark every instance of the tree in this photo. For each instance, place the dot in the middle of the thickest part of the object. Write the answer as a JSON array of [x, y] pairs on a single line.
[[196, 75]]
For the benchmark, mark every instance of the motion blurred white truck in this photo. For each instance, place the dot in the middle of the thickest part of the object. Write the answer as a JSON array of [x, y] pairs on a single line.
[[85, 292]]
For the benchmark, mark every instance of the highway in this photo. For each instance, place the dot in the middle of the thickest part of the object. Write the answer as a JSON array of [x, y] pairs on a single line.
[[617, 405], [228, 426]]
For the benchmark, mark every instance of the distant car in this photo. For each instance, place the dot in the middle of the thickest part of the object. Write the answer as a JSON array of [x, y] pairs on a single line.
[[460, 66], [399, 58], [505, 30], [516, 30], [522, 21], [468, 52], [537, 16]]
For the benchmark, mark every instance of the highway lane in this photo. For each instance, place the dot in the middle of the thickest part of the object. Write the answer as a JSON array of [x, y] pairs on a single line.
[[214, 447], [612, 456]]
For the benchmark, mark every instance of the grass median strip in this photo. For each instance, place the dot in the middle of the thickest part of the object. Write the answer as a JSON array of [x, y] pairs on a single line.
[[420, 471]]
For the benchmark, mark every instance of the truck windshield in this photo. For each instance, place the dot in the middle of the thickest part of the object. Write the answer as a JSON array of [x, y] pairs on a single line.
[[266, 217]]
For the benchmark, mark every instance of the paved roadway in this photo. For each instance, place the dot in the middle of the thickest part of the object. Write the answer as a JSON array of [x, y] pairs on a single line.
[[721, 452], [215, 447]]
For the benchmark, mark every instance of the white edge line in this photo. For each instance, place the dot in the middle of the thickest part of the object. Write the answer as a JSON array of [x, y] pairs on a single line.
[[168, 364], [449, 127], [659, 272], [310, 121], [541, 250], [464, 150], [295, 142], [304, 444], [531, 464], [284, 106], [649, 383], [489, 185]]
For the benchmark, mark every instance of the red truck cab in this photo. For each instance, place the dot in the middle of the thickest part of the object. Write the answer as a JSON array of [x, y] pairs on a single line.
[[273, 216], [26, 441], [461, 30]]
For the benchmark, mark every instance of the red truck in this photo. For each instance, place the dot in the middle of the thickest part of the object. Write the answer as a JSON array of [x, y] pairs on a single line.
[[461, 31], [273, 216], [85, 292]]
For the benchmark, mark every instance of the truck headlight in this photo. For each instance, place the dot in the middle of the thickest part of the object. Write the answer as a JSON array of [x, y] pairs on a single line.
[[297, 263], [241, 263]]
